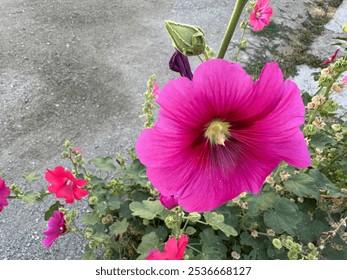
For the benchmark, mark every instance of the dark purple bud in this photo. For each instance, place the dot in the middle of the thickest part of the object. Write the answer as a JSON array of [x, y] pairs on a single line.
[[180, 63]]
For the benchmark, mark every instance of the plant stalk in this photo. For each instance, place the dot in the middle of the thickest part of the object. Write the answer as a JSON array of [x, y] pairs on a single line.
[[239, 6]]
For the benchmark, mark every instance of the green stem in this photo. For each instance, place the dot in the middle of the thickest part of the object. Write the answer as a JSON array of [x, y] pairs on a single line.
[[240, 43], [239, 6]]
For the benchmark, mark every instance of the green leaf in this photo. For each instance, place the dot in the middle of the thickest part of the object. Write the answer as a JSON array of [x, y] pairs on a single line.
[[146, 209], [212, 245], [302, 185], [114, 202], [89, 254], [216, 220], [119, 227], [284, 217], [99, 237], [324, 183], [137, 172], [190, 230], [260, 202], [51, 209], [30, 197], [104, 163], [101, 208], [31, 177], [320, 140], [90, 218], [149, 242], [310, 229], [125, 210]]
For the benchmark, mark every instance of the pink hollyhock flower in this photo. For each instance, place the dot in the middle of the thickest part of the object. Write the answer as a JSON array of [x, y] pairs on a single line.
[[168, 201], [4, 193], [155, 90], [344, 79], [173, 250], [331, 58], [222, 134], [56, 227], [260, 17], [64, 184]]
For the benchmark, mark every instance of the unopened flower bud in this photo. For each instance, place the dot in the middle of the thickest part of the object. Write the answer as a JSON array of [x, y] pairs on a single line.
[[188, 39], [67, 144], [311, 246], [310, 129], [288, 243], [284, 175], [292, 255], [243, 44], [270, 232], [243, 25], [194, 217], [277, 243], [254, 234], [344, 27], [336, 127], [235, 255], [65, 154], [93, 200]]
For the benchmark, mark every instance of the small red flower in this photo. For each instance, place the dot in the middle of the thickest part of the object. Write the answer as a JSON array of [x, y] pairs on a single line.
[[65, 185], [4, 193], [56, 227], [173, 250], [260, 17], [331, 58]]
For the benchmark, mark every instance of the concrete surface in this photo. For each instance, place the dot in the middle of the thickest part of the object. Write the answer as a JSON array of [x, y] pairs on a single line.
[[77, 69]]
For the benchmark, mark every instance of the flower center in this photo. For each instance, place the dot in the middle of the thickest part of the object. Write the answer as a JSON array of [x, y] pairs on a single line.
[[258, 15], [217, 132]]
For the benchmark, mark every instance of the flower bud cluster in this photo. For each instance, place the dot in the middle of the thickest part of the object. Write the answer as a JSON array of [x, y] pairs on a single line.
[[148, 105], [317, 101]]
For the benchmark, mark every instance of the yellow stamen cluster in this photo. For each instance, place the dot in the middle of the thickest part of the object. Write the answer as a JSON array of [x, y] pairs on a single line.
[[217, 132]]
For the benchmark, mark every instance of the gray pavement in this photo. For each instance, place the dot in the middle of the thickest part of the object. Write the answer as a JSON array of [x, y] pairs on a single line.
[[77, 69]]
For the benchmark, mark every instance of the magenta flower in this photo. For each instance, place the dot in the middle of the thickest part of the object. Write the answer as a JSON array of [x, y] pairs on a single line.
[[65, 185], [4, 193], [173, 250], [222, 134], [344, 79], [168, 201], [260, 17], [56, 227], [331, 58], [180, 63]]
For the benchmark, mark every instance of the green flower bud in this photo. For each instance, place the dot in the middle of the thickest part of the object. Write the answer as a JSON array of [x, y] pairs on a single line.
[[336, 127], [296, 247], [243, 25], [235, 255], [288, 243], [67, 144], [92, 244], [145, 222], [277, 243], [292, 256], [330, 106], [93, 200], [243, 44], [344, 27], [194, 217], [171, 222], [188, 39], [310, 129], [65, 154], [325, 81], [88, 233]]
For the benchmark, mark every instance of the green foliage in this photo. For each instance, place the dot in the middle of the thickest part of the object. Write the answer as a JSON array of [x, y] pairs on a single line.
[[104, 163]]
